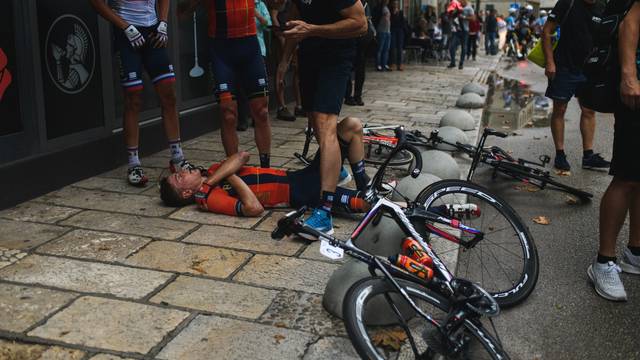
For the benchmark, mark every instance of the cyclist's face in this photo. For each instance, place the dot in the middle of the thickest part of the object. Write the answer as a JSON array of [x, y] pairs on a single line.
[[186, 180]]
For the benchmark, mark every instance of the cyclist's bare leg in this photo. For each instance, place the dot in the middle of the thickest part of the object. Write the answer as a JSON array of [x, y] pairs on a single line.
[[167, 95], [325, 126], [613, 211], [260, 113], [228, 132], [587, 127], [132, 107], [557, 124], [350, 131]]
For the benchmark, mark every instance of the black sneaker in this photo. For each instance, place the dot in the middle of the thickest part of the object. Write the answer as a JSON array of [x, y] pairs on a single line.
[[451, 66], [285, 115], [561, 163], [460, 67], [350, 101], [358, 101], [299, 112], [595, 162]]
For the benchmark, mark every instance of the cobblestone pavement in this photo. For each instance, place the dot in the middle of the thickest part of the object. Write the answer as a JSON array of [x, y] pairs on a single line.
[[101, 270]]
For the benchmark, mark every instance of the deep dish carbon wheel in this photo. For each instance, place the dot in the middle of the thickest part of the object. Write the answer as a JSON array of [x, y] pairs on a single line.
[[505, 261], [419, 339], [377, 153]]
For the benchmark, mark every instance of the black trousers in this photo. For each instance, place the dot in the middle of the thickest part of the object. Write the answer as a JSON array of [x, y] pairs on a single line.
[[354, 88]]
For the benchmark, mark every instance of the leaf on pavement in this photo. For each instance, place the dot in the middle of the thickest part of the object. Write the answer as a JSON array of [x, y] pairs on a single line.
[[196, 265], [571, 200], [278, 338], [542, 220], [527, 187], [537, 138], [389, 338], [563, 173]]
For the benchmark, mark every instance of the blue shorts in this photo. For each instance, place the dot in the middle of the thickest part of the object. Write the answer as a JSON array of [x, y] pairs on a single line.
[[238, 62], [565, 85], [155, 60], [323, 82]]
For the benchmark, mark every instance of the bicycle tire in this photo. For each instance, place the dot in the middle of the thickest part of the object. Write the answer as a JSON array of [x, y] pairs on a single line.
[[355, 312], [512, 241], [525, 173], [403, 157]]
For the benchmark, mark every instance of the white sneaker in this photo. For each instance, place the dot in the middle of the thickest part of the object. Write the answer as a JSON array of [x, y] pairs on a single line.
[[630, 263], [606, 280]]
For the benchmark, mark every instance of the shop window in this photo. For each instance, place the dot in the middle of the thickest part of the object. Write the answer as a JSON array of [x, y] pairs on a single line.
[[10, 121]]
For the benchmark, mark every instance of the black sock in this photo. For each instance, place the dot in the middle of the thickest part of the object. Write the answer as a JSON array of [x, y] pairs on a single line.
[[560, 153], [326, 200], [605, 259], [265, 160], [360, 175], [635, 250], [587, 153]]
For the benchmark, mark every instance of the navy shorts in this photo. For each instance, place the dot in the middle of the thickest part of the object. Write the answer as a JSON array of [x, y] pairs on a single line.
[[624, 163], [155, 61], [238, 62], [323, 82], [565, 85]]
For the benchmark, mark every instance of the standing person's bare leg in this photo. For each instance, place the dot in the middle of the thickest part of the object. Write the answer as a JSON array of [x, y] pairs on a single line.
[[228, 132], [260, 113], [557, 132], [131, 132], [167, 94], [613, 212], [325, 127], [587, 128]]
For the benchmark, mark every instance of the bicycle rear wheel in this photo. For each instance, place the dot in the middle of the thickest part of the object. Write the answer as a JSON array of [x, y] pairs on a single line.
[[394, 341], [505, 261], [378, 153]]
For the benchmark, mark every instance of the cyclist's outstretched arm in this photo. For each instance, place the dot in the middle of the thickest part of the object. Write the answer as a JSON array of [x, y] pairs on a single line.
[[106, 12]]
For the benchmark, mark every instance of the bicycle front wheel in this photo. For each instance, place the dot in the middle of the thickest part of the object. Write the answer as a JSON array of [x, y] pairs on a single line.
[[377, 154], [505, 261], [410, 336]]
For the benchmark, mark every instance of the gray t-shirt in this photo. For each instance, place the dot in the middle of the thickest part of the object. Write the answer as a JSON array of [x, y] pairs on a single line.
[[466, 12], [384, 25]]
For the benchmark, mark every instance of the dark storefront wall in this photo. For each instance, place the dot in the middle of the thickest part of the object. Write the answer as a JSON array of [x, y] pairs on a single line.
[[61, 98]]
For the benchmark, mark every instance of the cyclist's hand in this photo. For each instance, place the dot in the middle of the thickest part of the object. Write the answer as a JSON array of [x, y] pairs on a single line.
[[160, 38], [550, 70], [135, 38], [630, 93]]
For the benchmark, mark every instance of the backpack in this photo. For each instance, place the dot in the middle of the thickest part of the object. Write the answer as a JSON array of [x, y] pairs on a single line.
[[601, 67]]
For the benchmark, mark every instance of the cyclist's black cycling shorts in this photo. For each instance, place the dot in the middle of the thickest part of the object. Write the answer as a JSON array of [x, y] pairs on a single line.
[[238, 62], [323, 82], [625, 164]]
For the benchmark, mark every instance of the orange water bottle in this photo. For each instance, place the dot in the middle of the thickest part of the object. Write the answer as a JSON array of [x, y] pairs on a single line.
[[413, 249], [412, 266]]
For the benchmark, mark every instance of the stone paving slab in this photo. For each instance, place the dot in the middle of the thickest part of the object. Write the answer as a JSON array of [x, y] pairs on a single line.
[[108, 201], [302, 311], [111, 324], [331, 348], [185, 258], [84, 276], [108, 357], [36, 212], [10, 256], [136, 225], [216, 296], [11, 350], [242, 239], [231, 339], [96, 245], [289, 273], [26, 235], [111, 184], [22, 306], [193, 214]]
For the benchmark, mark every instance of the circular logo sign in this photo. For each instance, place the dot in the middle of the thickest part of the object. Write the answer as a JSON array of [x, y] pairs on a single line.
[[69, 54]]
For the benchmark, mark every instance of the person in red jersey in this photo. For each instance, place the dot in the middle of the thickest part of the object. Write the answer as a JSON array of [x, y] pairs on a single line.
[[237, 62]]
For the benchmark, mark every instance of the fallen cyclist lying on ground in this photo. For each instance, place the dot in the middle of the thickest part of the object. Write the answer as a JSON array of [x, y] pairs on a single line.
[[234, 189]]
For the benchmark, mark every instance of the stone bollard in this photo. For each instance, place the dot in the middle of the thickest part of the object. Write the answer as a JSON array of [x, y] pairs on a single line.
[[470, 101], [440, 164], [410, 187], [474, 88], [452, 135], [459, 119]]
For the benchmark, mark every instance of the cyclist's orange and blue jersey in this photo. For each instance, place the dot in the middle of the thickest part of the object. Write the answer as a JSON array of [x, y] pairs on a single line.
[[231, 19]]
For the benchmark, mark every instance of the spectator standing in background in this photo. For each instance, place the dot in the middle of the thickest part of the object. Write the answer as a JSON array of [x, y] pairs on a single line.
[[475, 26], [383, 32], [397, 35], [491, 33], [460, 13], [445, 24], [354, 90], [623, 194]]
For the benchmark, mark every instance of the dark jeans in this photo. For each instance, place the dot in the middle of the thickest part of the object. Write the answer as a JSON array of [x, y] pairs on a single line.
[[382, 56], [472, 46], [359, 63], [458, 38], [490, 45], [397, 45]]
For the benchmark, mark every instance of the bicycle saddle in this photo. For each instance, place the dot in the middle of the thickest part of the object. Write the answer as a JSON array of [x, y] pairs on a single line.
[[492, 132]]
